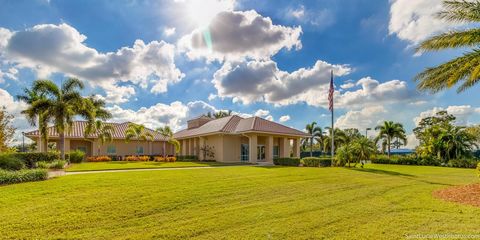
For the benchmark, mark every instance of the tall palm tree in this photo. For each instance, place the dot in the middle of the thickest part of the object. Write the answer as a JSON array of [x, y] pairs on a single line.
[[464, 69], [315, 133], [94, 109], [103, 131], [33, 116], [61, 104], [363, 148], [168, 134], [138, 132], [340, 138], [389, 130]]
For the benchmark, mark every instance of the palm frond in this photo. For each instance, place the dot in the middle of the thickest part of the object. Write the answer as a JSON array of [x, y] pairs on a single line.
[[460, 11], [454, 39]]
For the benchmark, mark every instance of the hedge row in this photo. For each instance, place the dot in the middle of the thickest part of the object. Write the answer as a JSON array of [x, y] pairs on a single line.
[[316, 162], [187, 158], [26, 175], [287, 161], [412, 159]]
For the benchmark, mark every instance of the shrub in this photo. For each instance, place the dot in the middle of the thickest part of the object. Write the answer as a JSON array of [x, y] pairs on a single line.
[[137, 158], [9, 162], [287, 161], [76, 156], [187, 158], [171, 159], [31, 158], [159, 159], [316, 162], [43, 165], [99, 159], [57, 164], [25, 175], [463, 163]]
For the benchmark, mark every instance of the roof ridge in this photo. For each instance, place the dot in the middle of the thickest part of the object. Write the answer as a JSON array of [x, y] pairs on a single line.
[[229, 120], [283, 125], [253, 122]]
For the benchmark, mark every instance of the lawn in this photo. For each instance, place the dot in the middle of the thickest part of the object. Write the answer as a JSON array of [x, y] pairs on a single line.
[[379, 202], [118, 165]]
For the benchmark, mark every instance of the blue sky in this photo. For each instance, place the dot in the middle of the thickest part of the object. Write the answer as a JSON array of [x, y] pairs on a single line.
[[151, 61]]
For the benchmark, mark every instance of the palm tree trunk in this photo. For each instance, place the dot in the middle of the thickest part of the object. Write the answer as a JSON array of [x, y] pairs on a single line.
[[62, 145], [311, 147], [388, 146]]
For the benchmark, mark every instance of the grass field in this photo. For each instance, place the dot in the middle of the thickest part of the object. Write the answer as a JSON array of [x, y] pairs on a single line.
[[96, 166], [379, 202]]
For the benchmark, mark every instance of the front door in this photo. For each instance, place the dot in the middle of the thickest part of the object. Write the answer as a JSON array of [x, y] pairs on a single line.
[[244, 153], [261, 152]]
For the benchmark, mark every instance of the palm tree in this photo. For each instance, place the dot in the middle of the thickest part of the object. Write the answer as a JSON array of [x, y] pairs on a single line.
[[466, 68], [389, 130], [168, 134], [363, 148], [35, 115], [340, 138], [315, 133], [138, 132], [221, 114], [103, 131], [60, 104], [94, 109]]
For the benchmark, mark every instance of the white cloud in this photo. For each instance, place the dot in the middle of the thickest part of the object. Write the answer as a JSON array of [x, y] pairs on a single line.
[[412, 141], [10, 73], [318, 18], [347, 85], [367, 117], [212, 97], [269, 118], [239, 35], [374, 92], [284, 118], [169, 31], [49, 48], [414, 21], [15, 107], [262, 113], [463, 113], [262, 81]]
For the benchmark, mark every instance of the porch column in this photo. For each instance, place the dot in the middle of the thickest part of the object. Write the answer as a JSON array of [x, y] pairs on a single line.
[[269, 149], [187, 149], [201, 143], [95, 145], [284, 144], [192, 146], [252, 148], [296, 147], [195, 147], [184, 147]]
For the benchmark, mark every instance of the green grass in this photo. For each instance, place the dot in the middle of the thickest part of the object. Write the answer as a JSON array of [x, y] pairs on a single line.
[[379, 202], [118, 165]]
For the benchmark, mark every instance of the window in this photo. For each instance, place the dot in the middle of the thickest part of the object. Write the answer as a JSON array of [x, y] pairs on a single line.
[[276, 151], [139, 150], [111, 150], [82, 148], [244, 153]]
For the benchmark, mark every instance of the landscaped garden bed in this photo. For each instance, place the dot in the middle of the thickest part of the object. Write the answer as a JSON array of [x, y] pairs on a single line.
[[119, 165]]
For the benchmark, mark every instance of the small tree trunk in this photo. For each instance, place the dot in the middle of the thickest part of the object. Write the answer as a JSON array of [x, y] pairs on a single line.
[[62, 145], [388, 147], [311, 147]]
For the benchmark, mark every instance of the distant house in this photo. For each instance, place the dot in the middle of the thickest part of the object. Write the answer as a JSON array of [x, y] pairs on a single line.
[[75, 140], [237, 139]]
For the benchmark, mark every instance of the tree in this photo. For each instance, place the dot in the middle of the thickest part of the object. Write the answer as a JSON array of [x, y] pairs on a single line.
[[7, 131], [168, 134], [363, 148], [389, 130], [34, 115], [464, 69], [103, 131], [316, 135], [138, 132], [93, 110], [340, 138], [221, 114], [60, 104]]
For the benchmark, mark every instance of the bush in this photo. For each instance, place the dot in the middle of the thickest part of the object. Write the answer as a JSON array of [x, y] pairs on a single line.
[[25, 175], [137, 158], [187, 158], [287, 161], [316, 162], [31, 158], [99, 159], [57, 164], [76, 156], [159, 159], [463, 163], [9, 162], [171, 159]]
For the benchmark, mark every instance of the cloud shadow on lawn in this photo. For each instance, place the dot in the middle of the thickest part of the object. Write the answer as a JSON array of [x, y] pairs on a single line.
[[379, 171]]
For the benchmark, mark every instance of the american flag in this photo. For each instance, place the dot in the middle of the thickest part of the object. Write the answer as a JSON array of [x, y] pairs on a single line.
[[330, 93]]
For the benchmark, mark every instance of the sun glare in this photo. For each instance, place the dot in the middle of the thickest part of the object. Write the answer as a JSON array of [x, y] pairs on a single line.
[[201, 12]]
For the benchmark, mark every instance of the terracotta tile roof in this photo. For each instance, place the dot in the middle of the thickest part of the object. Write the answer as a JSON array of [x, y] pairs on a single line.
[[78, 128], [237, 125]]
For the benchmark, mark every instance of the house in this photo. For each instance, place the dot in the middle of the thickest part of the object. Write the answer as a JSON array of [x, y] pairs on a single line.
[[237, 139], [91, 145]]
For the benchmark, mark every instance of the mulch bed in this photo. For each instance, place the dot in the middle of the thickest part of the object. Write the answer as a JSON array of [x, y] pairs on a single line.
[[468, 194]]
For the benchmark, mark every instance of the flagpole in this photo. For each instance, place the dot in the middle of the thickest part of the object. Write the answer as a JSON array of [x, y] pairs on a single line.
[[333, 127]]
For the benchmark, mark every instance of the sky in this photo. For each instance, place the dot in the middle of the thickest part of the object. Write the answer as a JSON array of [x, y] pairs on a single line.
[[163, 62]]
